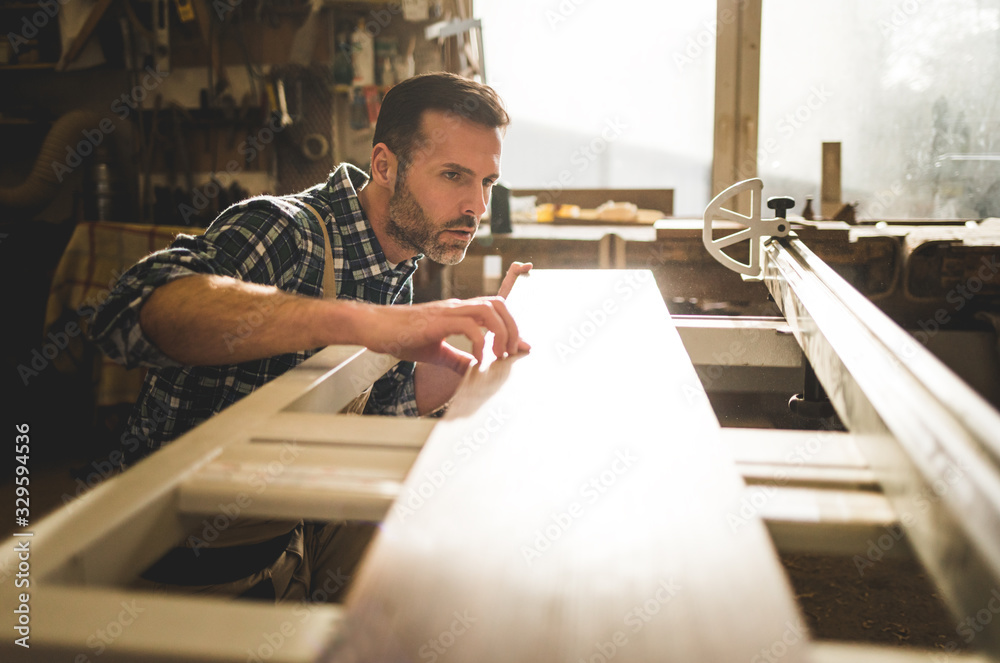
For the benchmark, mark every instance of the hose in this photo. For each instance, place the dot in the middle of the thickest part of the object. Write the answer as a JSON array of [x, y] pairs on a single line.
[[52, 163]]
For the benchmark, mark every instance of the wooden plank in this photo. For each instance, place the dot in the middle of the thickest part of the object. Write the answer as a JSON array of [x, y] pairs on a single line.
[[77, 538], [114, 626], [816, 476], [345, 429], [790, 447], [727, 73], [295, 481], [820, 505], [572, 504], [737, 76], [821, 520], [715, 340], [108, 535], [830, 196], [748, 101]]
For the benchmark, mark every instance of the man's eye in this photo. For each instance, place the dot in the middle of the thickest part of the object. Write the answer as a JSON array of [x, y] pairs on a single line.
[[451, 175]]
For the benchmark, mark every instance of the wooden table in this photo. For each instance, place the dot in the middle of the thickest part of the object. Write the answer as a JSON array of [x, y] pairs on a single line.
[[575, 504]]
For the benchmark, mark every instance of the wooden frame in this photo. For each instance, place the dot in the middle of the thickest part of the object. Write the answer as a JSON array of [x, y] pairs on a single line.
[[737, 92], [608, 375]]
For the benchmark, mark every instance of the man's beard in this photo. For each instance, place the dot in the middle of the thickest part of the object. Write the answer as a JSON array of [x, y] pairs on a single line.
[[409, 225]]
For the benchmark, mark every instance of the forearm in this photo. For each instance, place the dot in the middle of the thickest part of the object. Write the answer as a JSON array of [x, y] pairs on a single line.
[[207, 320]]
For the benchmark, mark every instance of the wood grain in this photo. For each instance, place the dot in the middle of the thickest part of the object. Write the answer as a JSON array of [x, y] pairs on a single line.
[[572, 506]]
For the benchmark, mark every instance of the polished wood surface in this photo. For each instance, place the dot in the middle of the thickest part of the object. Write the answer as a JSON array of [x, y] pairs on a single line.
[[575, 505]]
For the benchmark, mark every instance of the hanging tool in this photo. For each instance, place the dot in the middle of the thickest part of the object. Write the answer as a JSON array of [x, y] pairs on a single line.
[[286, 119]]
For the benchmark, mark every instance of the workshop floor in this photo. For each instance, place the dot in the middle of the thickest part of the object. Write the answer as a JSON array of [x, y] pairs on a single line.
[[893, 604]]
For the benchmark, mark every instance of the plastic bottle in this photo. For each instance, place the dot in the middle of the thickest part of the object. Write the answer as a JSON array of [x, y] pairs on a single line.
[[363, 52]]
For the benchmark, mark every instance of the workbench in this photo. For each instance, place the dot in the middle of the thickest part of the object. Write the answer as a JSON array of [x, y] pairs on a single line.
[[578, 502]]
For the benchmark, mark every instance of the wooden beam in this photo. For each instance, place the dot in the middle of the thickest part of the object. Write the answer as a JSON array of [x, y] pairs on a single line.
[[572, 504], [737, 83]]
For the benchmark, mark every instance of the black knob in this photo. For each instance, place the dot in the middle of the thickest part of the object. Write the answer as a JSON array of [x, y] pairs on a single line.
[[781, 205]]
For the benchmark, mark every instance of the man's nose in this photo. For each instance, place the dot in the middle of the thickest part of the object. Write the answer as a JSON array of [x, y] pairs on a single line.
[[477, 202]]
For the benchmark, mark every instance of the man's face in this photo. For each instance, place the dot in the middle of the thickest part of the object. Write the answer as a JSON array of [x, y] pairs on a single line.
[[443, 193]]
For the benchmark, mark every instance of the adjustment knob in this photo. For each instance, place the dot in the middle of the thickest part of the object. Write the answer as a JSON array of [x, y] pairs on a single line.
[[781, 205]]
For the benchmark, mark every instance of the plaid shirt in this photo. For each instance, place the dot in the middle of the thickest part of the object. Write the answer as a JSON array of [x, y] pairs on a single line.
[[267, 240]]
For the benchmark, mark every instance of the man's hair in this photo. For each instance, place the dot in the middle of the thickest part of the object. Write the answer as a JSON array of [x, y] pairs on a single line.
[[402, 110]]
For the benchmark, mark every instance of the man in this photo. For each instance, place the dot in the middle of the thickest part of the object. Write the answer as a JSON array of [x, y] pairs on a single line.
[[316, 268]]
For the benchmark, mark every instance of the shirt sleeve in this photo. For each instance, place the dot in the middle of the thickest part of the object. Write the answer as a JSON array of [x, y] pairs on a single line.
[[394, 393], [255, 241]]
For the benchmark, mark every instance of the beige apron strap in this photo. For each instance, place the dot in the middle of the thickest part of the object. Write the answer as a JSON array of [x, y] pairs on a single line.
[[329, 274], [357, 406]]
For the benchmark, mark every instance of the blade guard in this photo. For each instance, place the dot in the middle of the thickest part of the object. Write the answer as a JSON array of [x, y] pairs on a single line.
[[755, 232]]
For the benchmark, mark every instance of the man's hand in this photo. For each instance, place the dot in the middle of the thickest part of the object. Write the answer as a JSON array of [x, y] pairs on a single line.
[[441, 365], [418, 332], [515, 270]]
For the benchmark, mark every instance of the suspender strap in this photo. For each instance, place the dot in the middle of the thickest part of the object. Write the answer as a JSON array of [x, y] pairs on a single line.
[[357, 406]]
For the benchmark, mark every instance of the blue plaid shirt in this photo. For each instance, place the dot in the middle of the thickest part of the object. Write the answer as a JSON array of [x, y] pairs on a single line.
[[267, 240]]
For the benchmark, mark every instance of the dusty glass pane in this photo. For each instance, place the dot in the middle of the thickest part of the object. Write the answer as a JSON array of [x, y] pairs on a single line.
[[910, 89], [606, 94]]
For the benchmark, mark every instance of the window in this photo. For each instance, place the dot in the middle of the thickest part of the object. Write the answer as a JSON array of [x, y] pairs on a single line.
[[605, 95], [908, 87]]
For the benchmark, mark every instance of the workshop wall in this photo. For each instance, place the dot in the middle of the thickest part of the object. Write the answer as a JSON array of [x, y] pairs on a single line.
[[167, 123]]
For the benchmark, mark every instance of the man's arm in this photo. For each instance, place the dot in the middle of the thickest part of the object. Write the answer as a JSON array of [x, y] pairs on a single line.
[[196, 320]]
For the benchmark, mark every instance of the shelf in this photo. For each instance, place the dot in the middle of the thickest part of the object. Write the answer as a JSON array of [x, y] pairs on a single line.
[[347, 88], [35, 66], [20, 121]]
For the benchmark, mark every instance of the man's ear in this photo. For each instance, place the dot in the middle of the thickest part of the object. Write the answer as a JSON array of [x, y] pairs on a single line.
[[385, 166]]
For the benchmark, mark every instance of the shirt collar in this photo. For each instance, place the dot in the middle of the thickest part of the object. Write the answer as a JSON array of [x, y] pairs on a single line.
[[362, 252]]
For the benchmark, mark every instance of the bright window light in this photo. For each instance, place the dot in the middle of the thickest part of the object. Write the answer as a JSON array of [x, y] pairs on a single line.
[[606, 95]]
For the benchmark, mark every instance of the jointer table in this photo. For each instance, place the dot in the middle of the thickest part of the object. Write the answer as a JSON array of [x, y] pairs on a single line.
[[572, 505], [577, 503]]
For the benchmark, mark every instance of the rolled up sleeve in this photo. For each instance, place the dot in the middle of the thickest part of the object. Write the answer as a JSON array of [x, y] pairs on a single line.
[[253, 242]]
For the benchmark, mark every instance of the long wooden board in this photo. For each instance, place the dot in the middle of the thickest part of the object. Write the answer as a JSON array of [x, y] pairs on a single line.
[[575, 505]]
